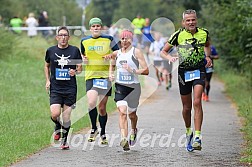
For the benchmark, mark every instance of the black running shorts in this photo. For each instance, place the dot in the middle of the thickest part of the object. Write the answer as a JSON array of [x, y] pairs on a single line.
[[185, 88], [69, 99], [130, 93]]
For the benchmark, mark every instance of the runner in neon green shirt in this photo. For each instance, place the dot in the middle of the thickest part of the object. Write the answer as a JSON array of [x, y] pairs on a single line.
[[16, 22], [138, 23], [193, 46]]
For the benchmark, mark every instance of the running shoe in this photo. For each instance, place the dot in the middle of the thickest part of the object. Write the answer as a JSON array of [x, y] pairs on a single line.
[[189, 147], [93, 134], [57, 133], [64, 146], [57, 136], [125, 145], [133, 138], [206, 98], [197, 144], [203, 96], [104, 140]]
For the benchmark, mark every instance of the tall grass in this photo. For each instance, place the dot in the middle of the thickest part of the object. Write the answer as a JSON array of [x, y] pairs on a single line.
[[238, 87], [25, 125], [24, 106]]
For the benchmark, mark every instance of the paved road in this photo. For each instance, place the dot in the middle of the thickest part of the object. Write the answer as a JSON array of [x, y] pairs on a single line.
[[161, 136]]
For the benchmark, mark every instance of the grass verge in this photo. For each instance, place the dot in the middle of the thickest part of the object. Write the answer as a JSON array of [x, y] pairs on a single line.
[[238, 87]]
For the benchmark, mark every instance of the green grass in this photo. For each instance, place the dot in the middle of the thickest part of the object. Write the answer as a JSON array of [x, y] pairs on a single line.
[[24, 106], [239, 88], [25, 125]]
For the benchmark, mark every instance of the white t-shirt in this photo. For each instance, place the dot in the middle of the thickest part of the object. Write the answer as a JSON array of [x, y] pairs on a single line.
[[156, 47]]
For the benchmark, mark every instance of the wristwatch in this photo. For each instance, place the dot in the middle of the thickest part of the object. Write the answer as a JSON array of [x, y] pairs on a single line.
[[134, 71]]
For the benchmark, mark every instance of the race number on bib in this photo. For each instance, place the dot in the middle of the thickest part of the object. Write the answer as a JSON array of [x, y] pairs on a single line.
[[100, 83], [125, 76], [192, 75], [62, 74]]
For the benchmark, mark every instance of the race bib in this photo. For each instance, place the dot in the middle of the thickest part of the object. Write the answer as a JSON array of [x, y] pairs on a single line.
[[100, 83], [62, 74], [125, 76], [209, 70], [192, 75]]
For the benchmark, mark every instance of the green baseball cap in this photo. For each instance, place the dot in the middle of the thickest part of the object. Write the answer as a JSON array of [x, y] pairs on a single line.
[[95, 20]]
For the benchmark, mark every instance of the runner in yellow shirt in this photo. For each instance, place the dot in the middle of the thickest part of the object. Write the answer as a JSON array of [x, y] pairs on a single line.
[[98, 87]]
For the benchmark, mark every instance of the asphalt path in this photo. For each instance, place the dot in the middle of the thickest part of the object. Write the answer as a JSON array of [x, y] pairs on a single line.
[[161, 135]]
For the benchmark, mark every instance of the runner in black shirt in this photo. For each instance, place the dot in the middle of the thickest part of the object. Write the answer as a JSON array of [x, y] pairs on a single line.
[[62, 63]]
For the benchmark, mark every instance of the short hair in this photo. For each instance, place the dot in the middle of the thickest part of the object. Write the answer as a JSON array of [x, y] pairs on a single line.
[[62, 28], [189, 11], [31, 15]]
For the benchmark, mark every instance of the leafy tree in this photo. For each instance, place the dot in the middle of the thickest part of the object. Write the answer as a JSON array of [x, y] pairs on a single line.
[[131, 8], [111, 11], [192, 4], [229, 25], [166, 9], [246, 18], [56, 10], [103, 9]]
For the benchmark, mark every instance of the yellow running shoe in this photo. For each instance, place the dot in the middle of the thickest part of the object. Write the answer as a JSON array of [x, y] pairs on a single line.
[[197, 144], [133, 137], [125, 144], [104, 140], [93, 135]]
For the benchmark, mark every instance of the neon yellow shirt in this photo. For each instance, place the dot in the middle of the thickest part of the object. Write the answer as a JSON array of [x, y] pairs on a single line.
[[190, 47], [138, 25], [95, 49], [16, 22]]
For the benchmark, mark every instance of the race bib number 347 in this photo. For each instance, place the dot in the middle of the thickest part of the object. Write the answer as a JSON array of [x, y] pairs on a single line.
[[62, 74]]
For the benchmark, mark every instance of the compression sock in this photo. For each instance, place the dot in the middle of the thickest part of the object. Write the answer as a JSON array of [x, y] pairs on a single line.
[[57, 123], [103, 122], [66, 127], [93, 116], [188, 131], [197, 133], [207, 89]]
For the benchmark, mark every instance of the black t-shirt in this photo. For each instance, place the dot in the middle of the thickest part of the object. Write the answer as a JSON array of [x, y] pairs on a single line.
[[60, 61]]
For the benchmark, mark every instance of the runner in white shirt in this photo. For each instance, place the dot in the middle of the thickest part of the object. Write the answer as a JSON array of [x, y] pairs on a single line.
[[155, 49], [128, 61]]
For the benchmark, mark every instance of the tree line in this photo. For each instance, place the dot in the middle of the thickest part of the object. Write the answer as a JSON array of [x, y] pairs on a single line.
[[231, 26], [228, 21], [57, 10]]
